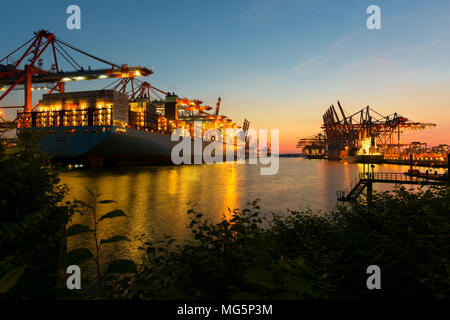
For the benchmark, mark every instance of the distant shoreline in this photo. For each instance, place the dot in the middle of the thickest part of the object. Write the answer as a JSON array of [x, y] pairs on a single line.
[[403, 162], [291, 155]]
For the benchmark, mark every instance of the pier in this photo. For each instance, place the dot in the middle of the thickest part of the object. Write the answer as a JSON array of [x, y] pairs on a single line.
[[367, 179]]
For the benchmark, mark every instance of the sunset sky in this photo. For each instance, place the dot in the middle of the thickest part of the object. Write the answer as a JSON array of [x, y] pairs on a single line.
[[279, 64]]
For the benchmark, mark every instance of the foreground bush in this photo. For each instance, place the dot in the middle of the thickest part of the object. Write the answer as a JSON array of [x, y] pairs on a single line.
[[305, 255], [32, 222]]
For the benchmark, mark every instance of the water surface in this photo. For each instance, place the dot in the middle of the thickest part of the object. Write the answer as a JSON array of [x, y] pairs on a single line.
[[156, 198]]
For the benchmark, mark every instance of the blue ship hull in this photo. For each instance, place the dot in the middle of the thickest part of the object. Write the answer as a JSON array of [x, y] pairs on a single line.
[[100, 145]]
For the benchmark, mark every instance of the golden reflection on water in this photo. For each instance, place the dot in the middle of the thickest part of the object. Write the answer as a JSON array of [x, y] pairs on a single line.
[[230, 192], [156, 199]]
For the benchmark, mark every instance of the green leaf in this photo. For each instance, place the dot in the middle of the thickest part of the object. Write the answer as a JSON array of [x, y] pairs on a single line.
[[76, 256], [300, 262], [141, 285], [10, 279], [77, 229], [89, 190], [114, 239], [113, 214], [106, 201], [122, 266], [260, 277], [84, 204], [298, 284]]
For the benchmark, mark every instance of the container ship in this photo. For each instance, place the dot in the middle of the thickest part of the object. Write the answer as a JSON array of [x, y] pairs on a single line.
[[112, 126], [106, 128]]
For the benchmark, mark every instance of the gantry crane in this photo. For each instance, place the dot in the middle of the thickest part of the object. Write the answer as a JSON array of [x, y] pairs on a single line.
[[135, 88], [28, 68], [349, 131], [191, 109], [316, 141]]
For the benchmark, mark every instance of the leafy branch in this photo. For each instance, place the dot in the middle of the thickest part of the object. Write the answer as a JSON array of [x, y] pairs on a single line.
[[79, 255]]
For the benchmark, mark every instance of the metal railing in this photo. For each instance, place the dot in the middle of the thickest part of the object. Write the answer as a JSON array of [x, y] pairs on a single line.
[[393, 176], [386, 177], [341, 194]]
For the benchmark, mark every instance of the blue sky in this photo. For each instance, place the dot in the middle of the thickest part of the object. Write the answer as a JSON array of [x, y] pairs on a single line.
[[279, 64]]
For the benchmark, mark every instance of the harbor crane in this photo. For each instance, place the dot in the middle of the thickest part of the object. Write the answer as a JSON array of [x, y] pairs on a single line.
[[346, 133], [191, 109], [28, 69], [366, 124]]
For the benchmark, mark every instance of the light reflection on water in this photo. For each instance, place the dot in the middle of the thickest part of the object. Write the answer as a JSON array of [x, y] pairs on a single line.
[[156, 199]]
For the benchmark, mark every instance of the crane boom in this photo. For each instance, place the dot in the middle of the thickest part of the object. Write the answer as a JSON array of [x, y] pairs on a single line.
[[27, 70]]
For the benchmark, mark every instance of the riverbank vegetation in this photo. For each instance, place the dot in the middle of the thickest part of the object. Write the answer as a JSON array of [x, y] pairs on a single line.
[[305, 255], [32, 223], [294, 255], [79, 256]]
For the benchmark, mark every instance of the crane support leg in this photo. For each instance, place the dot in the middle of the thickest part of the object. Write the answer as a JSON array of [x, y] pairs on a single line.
[[27, 81]]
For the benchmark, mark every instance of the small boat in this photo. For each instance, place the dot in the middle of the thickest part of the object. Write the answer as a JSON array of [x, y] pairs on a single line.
[[363, 159], [426, 175]]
